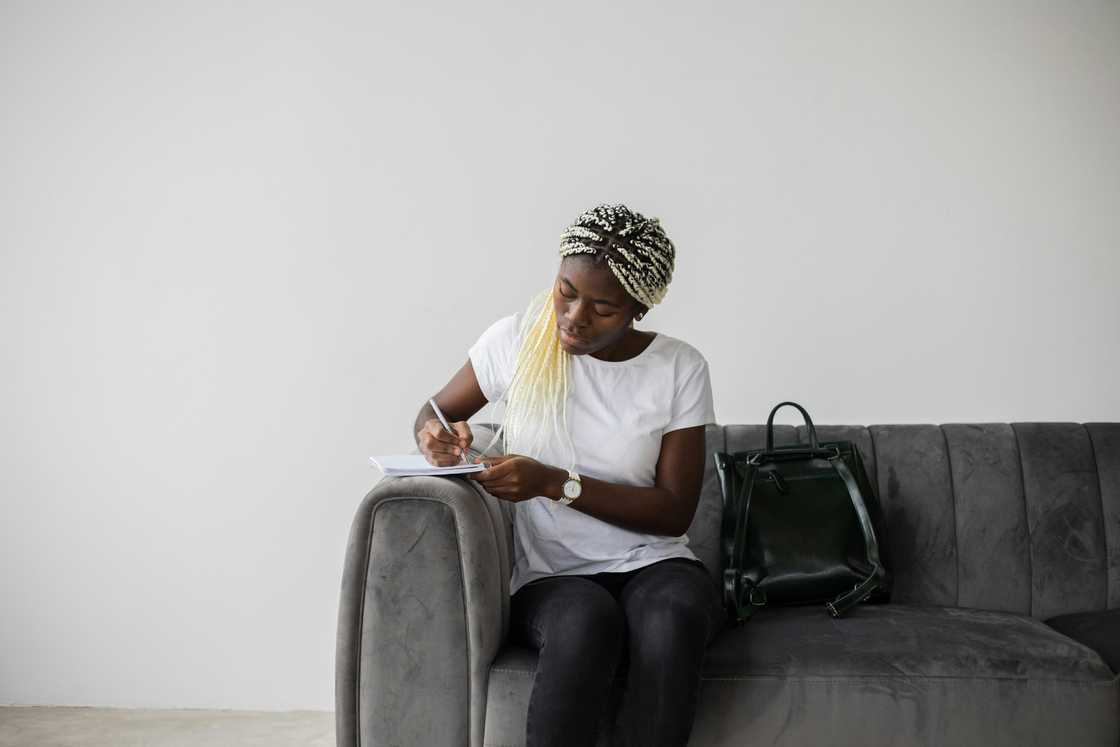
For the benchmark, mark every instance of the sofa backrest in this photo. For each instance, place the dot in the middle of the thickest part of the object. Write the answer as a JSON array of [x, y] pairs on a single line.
[[1016, 517], [1019, 517]]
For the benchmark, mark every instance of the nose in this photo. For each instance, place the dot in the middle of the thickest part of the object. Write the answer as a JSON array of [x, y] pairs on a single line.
[[577, 316]]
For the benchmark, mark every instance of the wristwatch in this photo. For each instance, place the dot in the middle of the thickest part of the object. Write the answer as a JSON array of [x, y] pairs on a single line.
[[571, 489]]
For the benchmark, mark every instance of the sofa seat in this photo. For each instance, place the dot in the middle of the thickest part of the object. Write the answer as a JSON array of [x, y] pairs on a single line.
[[1099, 630], [942, 675]]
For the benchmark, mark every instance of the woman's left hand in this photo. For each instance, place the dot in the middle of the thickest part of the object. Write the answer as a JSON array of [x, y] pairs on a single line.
[[513, 477]]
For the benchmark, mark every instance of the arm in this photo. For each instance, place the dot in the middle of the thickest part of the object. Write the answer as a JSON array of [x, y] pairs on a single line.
[[459, 399], [667, 508]]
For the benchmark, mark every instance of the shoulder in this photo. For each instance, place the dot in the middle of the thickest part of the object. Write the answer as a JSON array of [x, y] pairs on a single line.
[[692, 400], [503, 330], [686, 356], [508, 322]]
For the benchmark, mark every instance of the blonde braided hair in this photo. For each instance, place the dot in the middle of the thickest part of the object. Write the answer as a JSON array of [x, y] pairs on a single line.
[[641, 257]]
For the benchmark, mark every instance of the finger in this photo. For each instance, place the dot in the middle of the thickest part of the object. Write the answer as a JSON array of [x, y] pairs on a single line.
[[438, 435], [447, 453], [491, 492], [496, 471], [463, 433], [451, 444], [440, 447], [501, 484], [435, 427], [499, 490], [483, 475], [438, 441]]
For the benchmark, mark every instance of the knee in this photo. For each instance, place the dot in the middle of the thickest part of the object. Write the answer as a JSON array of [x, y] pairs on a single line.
[[662, 621], [590, 627]]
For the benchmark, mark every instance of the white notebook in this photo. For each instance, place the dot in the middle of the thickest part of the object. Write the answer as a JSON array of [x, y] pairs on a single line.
[[417, 464]]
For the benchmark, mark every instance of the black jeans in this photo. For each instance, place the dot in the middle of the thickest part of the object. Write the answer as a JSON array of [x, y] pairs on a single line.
[[657, 620]]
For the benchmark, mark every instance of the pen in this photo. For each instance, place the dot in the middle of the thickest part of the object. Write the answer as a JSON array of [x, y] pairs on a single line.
[[446, 426]]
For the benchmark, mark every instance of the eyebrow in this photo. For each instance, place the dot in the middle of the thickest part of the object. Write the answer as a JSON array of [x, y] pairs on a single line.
[[595, 300]]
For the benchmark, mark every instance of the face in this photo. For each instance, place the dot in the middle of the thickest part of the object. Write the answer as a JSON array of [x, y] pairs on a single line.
[[591, 303]]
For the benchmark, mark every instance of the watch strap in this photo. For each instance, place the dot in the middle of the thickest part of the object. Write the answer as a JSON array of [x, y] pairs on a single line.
[[564, 499]]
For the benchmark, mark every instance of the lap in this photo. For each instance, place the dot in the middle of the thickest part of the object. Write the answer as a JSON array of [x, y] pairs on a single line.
[[568, 601], [675, 578], [673, 590], [674, 586]]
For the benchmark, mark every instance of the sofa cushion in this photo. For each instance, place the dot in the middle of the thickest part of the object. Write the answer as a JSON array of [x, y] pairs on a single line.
[[884, 674], [1099, 630]]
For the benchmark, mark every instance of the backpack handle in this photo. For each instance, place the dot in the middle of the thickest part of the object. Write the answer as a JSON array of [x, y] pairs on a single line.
[[808, 421]]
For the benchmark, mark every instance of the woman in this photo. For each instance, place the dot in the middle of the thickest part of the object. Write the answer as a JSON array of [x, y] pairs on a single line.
[[604, 433]]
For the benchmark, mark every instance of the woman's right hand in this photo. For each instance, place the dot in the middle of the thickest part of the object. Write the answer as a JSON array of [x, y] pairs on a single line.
[[439, 447]]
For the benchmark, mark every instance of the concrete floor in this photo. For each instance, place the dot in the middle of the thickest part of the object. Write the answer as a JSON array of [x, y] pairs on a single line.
[[55, 726]]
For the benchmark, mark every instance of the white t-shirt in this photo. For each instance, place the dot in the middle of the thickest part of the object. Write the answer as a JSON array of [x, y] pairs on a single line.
[[617, 413]]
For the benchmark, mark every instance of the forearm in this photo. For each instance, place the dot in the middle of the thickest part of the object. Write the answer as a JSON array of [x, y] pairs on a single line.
[[650, 510]]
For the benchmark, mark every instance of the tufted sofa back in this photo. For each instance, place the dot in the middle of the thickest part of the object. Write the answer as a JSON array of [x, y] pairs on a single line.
[[1018, 517]]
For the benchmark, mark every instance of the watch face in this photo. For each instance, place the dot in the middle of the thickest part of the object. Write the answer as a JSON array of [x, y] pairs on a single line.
[[571, 488]]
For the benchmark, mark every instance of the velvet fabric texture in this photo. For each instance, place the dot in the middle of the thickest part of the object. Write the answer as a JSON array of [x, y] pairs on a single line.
[[1099, 631], [990, 529]]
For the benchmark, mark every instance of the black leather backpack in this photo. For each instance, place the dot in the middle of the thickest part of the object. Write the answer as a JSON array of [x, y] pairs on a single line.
[[800, 525]]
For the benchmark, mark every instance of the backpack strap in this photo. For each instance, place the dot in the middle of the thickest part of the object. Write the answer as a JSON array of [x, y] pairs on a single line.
[[739, 590], [862, 590]]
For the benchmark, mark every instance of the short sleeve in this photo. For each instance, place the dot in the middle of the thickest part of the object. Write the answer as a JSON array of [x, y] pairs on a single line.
[[692, 403], [494, 356]]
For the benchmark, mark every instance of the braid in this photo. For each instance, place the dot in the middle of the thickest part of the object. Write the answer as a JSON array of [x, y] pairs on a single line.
[[634, 247], [641, 257]]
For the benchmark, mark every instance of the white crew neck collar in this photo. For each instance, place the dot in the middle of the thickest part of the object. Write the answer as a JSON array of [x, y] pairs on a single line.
[[599, 362]]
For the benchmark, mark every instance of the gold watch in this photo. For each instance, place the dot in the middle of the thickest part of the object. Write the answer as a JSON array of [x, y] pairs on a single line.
[[571, 488]]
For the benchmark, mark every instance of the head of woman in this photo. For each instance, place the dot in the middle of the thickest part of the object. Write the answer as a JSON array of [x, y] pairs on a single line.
[[616, 264]]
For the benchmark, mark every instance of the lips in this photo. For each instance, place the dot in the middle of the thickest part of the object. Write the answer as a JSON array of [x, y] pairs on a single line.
[[573, 335]]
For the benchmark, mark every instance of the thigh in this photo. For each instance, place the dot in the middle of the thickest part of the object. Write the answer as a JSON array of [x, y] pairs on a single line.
[[673, 589], [563, 608]]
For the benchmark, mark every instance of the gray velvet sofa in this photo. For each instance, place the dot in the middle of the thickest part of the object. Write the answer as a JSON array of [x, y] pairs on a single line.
[[992, 530]]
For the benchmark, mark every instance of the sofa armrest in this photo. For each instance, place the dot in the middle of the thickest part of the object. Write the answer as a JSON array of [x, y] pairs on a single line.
[[424, 608]]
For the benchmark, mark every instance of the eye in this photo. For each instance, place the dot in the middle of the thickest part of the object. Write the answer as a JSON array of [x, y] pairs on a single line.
[[572, 298]]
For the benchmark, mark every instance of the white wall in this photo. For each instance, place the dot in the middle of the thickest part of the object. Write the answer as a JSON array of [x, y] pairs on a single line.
[[242, 245]]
